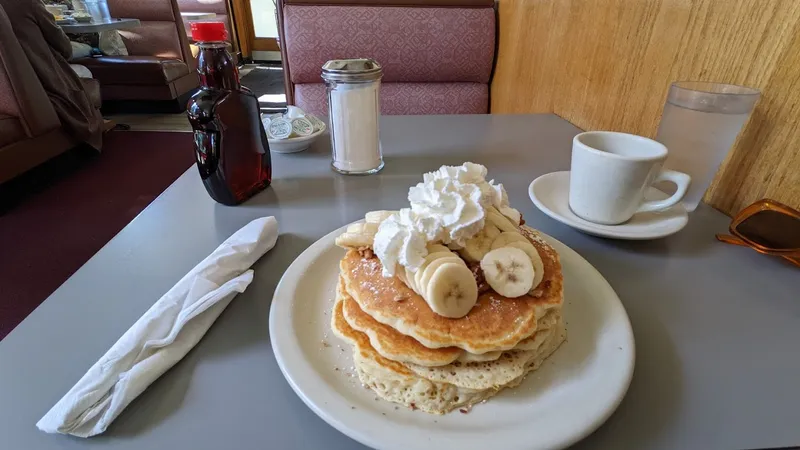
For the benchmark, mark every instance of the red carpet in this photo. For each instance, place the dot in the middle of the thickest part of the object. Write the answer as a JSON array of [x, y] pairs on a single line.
[[66, 210]]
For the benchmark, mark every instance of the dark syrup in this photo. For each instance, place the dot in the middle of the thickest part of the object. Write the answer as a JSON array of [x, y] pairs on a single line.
[[231, 147]]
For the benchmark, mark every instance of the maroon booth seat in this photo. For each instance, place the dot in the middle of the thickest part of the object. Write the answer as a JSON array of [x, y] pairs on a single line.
[[437, 55], [159, 66], [30, 131]]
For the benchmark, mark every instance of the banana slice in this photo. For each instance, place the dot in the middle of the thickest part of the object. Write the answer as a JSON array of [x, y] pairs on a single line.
[[363, 227], [511, 214], [412, 275], [435, 251], [443, 254], [508, 271], [480, 244], [437, 248], [422, 276], [351, 240], [453, 246], [500, 221], [519, 241], [358, 235], [408, 279], [452, 290], [403, 274], [536, 260], [378, 216], [507, 237]]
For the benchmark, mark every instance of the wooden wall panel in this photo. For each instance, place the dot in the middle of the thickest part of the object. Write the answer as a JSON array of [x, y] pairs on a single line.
[[607, 64], [245, 31]]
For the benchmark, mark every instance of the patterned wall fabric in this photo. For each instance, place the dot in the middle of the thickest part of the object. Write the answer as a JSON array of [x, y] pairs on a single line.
[[408, 98], [412, 44], [311, 98]]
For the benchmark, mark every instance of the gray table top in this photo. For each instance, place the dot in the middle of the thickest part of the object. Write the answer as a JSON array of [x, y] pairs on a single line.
[[96, 27], [717, 326]]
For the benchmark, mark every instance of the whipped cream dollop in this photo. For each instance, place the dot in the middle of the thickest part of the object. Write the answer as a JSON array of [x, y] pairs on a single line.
[[449, 206]]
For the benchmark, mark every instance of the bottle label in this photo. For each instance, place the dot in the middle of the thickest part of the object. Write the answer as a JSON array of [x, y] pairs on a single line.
[[280, 128], [318, 124], [302, 126]]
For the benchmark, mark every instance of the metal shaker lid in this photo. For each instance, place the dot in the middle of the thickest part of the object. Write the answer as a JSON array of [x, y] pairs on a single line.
[[352, 70]]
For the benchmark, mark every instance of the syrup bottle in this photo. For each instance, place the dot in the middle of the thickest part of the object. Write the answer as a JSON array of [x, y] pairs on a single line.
[[231, 147]]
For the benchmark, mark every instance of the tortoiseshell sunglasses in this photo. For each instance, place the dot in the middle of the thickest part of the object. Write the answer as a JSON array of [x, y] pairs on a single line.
[[768, 227]]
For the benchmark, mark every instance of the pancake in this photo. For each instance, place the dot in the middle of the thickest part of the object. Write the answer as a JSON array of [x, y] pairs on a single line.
[[510, 366], [396, 346], [550, 320], [495, 323], [388, 342], [394, 382]]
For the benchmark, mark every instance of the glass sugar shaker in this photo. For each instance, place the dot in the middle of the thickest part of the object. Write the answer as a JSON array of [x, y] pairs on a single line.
[[353, 87]]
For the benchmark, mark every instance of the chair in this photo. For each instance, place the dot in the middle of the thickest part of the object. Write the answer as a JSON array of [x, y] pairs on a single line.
[[160, 65], [437, 55], [30, 131]]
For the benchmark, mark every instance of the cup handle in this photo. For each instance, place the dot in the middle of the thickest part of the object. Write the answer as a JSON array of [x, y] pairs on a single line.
[[680, 179]]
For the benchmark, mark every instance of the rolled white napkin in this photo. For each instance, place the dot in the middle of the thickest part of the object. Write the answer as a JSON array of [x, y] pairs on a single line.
[[162, 336]]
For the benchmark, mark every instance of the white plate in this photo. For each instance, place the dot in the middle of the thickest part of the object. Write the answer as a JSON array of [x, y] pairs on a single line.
[[550, 193], [571, 395], [296, 144]]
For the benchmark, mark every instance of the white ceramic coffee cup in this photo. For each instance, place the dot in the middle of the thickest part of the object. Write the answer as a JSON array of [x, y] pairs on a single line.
[[611, 172]]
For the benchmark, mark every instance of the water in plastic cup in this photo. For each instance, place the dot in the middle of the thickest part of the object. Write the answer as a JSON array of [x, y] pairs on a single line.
[[699, 126]]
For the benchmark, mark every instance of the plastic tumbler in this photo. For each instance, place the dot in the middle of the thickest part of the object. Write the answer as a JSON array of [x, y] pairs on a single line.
[[699, 126]]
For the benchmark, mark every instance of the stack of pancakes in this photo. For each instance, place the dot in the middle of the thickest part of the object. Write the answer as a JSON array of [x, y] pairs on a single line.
[[412, 356]]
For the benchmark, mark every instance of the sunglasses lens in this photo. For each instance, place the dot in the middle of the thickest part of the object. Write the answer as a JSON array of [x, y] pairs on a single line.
[[772, 229]]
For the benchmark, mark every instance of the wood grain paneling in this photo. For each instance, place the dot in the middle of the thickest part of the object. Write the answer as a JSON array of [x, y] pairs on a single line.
[[245, 32], [266, 44], [607, 64]]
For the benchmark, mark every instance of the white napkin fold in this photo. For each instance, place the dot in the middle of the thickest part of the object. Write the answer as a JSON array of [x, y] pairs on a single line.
[[162, 336]]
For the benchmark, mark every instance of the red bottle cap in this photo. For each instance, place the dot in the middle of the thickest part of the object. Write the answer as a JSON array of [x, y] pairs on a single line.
[[209, 32]]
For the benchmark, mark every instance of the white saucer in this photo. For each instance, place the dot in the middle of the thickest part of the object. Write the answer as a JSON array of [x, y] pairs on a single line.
[[569, 396], [550, 193]]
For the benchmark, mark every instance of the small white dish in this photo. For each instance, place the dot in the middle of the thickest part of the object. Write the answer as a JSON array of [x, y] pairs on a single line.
[[567, 398], [294, 145], [550, 193]]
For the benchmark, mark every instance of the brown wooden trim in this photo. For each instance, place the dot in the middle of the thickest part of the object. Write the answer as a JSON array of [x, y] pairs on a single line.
[[234, 37], [287, 76], [266, 44], [494, 55], [245, 31], [414, 3]]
